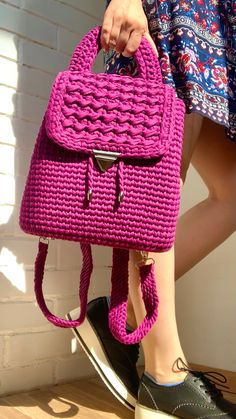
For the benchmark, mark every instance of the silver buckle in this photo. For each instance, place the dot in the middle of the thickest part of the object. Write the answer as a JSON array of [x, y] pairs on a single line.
[[105, 159], [145, 260], [44, 240]]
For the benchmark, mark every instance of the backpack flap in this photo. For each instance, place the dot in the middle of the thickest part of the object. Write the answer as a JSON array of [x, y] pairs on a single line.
[[107, 112]]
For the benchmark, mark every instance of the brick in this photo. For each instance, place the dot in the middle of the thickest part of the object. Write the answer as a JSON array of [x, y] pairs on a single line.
[[102, 256], [56, 283], [88, 7], [16, 3], [20, 186], [101, 282], [42, 58], [7, 189], [15, 380], [2, 347], [22, 160], [6, 219], [7, 95], [21, 315], [64, 305], [25, 132], [12, 287], [27, 25], [30, 107], [26, 349], [67, 40], [7, 153], [12, 271], [8, 45], [26, 250], [69, 255], [7, 134], [8, 72], [18, 233], [34, 82], [73, 367], [60, 14]]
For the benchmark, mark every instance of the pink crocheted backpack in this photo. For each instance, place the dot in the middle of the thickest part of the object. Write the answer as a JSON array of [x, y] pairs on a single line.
[[106, 170]]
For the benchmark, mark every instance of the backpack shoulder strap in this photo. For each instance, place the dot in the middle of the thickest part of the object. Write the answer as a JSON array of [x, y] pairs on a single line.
[[119, 298], [119, 293], [86, 271]]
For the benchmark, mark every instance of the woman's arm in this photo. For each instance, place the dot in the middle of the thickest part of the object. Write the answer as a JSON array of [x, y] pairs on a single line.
[[123, 26]]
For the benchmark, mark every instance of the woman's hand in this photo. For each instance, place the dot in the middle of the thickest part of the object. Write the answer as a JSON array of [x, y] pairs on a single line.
[[123, 26]]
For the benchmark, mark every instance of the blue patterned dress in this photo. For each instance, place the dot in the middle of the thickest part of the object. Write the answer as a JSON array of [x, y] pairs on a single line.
[[196, 41]]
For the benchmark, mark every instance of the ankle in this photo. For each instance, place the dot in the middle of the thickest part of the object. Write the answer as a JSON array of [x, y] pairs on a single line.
[[167, 371], [166, 377]]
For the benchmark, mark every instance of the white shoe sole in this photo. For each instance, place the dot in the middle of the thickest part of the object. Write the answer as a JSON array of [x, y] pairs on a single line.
[[142, 412], [96, 354]]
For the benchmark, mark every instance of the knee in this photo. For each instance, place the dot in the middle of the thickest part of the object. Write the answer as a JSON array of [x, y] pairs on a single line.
[[224, 192], [224, 187]]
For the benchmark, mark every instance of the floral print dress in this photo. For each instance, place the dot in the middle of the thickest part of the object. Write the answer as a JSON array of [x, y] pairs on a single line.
[[196, 41]]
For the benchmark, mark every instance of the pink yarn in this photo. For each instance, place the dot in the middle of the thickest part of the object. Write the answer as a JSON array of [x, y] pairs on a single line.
[[133, 204]]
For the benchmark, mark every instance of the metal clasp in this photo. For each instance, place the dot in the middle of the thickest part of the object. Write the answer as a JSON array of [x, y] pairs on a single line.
[[44, 240], [105, 159], [145, 260]]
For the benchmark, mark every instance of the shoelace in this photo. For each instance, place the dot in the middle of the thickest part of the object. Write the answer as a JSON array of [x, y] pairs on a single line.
[[211, 379]]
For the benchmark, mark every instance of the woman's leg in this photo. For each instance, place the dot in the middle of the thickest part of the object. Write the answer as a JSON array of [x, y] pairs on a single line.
[[192, 128], [162, 346], [211, 221], [163, 388]]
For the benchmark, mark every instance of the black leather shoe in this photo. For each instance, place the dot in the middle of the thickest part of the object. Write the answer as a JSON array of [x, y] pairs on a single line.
[[196, 398], [114, 362]]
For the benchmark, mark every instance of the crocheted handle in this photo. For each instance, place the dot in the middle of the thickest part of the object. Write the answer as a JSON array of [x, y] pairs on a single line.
[[119, 298], [85, 275], [87, 50]]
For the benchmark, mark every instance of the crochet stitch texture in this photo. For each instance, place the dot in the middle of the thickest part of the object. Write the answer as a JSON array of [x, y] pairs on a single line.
[[134, 203]]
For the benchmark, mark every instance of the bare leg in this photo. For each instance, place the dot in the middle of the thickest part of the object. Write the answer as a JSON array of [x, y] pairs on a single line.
[[161, 346], [193, 125], [213, 220], [210, 222]]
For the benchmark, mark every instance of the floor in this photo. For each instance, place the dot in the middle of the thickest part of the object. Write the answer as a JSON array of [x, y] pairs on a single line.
[[87, 399]]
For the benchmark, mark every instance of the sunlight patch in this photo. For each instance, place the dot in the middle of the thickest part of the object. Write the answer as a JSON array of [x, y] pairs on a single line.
[[73, 345], [12, 270]]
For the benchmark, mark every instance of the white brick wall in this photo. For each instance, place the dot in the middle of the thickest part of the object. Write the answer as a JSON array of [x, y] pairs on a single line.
[[36, 41]]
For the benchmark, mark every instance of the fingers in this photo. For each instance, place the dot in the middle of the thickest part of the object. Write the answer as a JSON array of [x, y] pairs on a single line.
[[124, 35], [114, 34], [122, 40], [132, 44], [110, 30], [105, 34], [150, 40]]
